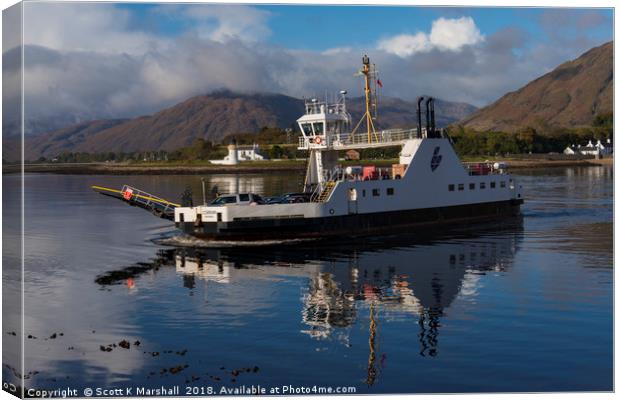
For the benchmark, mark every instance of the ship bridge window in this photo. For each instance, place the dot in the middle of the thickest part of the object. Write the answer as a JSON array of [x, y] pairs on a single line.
[[318, 128], [451, 188], [307, 128]]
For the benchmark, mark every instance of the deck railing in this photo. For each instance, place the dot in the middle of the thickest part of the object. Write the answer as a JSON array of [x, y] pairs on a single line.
[[348, 139], [148, 201]]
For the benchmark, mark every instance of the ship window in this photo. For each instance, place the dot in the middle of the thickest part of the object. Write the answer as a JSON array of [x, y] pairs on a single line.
[[244, 197], [224, 200], [307, 128], [472, 186], [502, 184], [375, 192], [483, 185], [219, 217], [492, 185], [181, 217], [390, 191], [363, 192], [451, 188], [318, 128], [461, 186]]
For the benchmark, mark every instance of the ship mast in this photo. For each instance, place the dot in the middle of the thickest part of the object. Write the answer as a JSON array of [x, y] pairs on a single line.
[[372, 356], [368, 72]]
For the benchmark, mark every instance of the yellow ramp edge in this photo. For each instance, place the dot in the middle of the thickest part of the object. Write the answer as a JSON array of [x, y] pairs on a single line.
[[94, 187]]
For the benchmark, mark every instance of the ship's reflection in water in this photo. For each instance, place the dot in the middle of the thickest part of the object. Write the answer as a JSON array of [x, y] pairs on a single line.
[[381, 280], [503, 309]]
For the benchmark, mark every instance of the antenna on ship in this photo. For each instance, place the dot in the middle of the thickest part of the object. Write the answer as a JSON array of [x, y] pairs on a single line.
[[376, 81], [368, 71]]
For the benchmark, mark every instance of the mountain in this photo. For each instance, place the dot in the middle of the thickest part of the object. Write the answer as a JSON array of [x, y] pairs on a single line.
[[570, 95], [73, 136], [212, 117], [398, 113]]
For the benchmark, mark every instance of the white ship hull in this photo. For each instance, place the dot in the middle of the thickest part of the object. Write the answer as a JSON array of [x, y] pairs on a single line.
[[435, 189]]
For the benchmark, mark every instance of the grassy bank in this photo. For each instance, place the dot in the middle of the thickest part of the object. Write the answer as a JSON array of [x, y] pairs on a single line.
[[201, 168], [156, 168]]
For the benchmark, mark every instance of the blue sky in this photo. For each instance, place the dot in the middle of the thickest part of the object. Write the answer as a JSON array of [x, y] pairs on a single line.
[[108, 60], [323, 27]]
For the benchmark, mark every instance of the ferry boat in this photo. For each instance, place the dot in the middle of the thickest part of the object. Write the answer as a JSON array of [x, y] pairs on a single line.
[[429, 187]]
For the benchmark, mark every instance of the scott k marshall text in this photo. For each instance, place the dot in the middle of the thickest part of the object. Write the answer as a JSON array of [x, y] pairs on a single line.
[[132, 391]]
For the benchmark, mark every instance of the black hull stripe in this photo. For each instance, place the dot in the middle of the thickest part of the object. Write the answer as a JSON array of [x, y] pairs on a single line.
[[352, 224]]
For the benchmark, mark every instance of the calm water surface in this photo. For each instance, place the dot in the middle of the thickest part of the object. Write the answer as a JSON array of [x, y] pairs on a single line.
[[521, 306]]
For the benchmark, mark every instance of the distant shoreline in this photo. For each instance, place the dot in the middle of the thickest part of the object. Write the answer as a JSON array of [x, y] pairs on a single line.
[[524, 164], [245, 168], [133, 169]]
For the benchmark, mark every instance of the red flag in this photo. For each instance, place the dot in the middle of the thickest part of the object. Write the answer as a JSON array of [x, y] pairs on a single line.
[[379, 83]]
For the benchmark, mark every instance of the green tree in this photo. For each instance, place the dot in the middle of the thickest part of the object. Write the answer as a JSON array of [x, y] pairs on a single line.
[[276, 152]]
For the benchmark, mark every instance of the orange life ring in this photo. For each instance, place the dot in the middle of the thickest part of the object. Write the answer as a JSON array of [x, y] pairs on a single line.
[[317, 140]]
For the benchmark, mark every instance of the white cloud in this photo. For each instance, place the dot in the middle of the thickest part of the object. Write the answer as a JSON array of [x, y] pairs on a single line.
[[102, 27], [446, 35], [88, 63], [453, 34], [336, 51], [406, 45], [222, 23], [83, 26]]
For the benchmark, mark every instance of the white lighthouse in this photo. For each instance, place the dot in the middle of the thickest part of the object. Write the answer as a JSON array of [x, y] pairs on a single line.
[[232, 152], [231, 158], [237, 154]]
